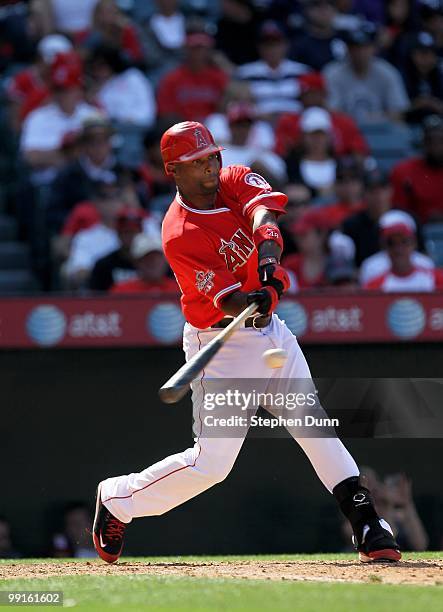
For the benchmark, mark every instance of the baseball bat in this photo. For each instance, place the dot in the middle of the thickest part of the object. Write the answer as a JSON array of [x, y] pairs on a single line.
[[177, 386]]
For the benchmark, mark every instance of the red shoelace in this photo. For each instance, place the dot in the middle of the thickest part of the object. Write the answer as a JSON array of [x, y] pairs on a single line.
[[114, 529]]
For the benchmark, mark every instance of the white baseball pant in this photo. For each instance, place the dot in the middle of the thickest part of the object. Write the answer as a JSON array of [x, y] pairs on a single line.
[[177, 478]]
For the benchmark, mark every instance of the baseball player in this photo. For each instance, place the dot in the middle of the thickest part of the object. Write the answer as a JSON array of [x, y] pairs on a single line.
[[223, 243]]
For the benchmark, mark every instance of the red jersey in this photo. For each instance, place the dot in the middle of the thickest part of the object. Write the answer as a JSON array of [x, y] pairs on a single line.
[[418, 188], [191, 95], [212, 252], [137, 285], [346, 137]]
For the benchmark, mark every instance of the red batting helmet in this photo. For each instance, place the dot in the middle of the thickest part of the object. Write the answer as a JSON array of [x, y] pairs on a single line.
[[187, 141]]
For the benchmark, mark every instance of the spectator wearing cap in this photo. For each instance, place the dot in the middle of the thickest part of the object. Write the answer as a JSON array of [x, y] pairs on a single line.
[[348, 192], [313, 163], [30, 87], [111, 27], [45, 127], [274, 79], [193, 90], [75, 182], [318, 43], [86, 214], [362, 226], [299, 199], [151, 267], [397, 230], [341, 273], [118, 266], [307, 267], [418, 181], [346, 136], [379, 263], [151, 171], [242, 146], [362, 85], [124, 93], [423, 79], [238, 95], [98, 240], [101, 238], [164, 36]]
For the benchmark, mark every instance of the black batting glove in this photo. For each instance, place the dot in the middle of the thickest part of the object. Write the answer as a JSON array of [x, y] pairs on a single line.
[[266, 298]]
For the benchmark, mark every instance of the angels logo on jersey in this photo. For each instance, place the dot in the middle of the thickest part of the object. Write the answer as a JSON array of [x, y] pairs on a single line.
[[204, 281], [237, 250], [200, 140], [256, 180]]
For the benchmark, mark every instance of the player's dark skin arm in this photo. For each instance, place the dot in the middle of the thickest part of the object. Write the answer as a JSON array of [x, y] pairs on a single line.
[[236, 302]]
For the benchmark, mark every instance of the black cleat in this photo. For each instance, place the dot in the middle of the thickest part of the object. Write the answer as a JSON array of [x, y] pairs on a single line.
[[107, 532], [377, 543]]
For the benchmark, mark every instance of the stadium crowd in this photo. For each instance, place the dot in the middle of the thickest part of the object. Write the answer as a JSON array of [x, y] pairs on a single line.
[[337, 103]]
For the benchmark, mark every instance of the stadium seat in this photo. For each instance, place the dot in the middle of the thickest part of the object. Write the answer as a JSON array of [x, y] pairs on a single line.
[[14, 255], [16, 282], [433, 238], [389, 142], [8, 228]]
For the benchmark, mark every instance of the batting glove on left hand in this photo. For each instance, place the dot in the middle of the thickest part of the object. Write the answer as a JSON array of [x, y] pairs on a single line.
[[272, 274]]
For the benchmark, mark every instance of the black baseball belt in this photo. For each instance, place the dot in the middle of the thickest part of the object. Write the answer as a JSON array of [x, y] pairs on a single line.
[[258, 322]]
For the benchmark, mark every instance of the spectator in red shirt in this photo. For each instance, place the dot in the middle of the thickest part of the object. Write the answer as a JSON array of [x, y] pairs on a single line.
[[348, 191], [398, 237], [151, 266], [111, 27], [193, 90], [30, 87], [418, 181], [346, 137], [118, 266], [307, 268]]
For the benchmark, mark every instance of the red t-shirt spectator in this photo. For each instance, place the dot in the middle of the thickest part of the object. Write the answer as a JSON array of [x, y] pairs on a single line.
[[191, 95], [418, 188], [347, 139], [137, 285], [419, 279], [335, 214], [28, 90], [81, 217], [294, 263]]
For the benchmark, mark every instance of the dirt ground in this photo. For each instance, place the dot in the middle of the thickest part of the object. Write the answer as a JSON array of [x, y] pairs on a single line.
[[419, 572]]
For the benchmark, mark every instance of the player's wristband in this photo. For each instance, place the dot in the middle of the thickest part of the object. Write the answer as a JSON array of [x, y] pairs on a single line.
[[267, 232], [266, 261]]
